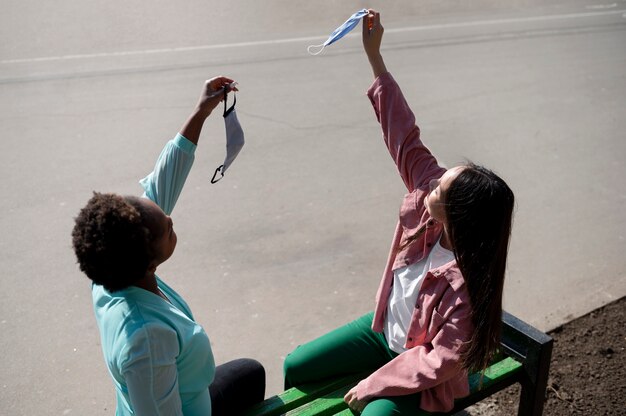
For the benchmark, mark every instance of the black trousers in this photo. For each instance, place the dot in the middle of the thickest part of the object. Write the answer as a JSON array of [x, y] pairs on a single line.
[[238, 384]]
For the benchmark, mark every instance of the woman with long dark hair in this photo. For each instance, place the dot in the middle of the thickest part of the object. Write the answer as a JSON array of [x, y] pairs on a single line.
[[439, 304]]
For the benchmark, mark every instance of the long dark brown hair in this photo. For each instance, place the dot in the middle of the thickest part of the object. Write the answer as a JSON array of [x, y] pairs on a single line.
[[479, 211]]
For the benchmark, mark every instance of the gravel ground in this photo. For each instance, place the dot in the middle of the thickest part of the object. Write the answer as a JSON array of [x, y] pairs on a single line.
[[588, 369]]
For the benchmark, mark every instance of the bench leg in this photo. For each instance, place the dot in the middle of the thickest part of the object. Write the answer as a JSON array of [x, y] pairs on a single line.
[[535, 381]]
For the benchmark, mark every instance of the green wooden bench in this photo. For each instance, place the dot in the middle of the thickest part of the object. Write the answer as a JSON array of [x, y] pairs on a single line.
[[525, 359]]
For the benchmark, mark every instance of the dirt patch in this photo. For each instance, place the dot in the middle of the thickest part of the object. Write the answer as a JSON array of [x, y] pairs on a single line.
[[588, 369]]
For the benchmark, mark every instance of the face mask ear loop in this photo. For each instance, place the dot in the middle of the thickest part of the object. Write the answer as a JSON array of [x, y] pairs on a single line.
[[321, 46], [220, 171], [225, 99], [232, 107]]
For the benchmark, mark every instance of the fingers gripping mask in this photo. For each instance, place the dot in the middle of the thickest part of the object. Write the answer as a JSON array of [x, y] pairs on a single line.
[[234, 138], [340, 32]]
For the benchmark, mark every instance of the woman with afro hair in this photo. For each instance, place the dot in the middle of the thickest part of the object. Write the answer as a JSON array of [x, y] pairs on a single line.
[[160, 359]]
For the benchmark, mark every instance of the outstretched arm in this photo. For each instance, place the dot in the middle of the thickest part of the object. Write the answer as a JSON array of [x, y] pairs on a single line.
[[415, 163]]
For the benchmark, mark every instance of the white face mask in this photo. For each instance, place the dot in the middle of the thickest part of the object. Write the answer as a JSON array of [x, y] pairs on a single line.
[[234, 138]]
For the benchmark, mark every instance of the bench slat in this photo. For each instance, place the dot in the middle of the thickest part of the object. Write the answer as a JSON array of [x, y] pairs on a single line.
[[498, 376], [327, 405], [495, 372], [298, 396]]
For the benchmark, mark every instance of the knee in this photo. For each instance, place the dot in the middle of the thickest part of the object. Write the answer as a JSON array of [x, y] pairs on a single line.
[[254, 371], [238, 384], [248, 373], [291, 368], [257, 371], [288, 364]]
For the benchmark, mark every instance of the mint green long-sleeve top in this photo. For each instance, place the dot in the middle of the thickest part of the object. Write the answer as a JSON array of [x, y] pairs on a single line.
[[159, 358]]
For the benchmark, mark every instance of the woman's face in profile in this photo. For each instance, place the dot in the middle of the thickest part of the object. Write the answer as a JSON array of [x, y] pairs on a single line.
[[435, 199], [162, 228]]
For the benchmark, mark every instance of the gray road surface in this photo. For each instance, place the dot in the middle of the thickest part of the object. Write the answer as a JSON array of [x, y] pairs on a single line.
[[293, 241]]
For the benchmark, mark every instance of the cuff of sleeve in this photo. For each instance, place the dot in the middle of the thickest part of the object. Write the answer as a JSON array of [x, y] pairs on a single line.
[[184, 144], [380, 80]]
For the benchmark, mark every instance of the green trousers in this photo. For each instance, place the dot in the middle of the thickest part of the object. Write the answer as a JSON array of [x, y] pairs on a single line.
[[351, 349]]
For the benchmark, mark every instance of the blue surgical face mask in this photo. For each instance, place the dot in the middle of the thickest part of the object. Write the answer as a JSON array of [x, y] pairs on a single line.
[[340, 32]]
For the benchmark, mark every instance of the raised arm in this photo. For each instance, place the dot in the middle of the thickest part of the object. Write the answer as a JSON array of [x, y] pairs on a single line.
[[165, 183], [416, 165]]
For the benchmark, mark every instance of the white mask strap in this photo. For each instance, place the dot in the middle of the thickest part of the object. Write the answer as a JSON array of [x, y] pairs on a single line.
[[312, 47]]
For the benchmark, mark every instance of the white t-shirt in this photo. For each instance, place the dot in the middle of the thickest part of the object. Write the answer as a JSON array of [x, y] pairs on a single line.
[[406, 284]]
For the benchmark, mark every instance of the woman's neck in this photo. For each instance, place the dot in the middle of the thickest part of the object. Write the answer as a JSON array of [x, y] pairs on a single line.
[[149, 283], [445, 240]]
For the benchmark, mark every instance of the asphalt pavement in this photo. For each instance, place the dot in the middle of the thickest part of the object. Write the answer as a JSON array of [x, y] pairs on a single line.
[[293, 241]]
